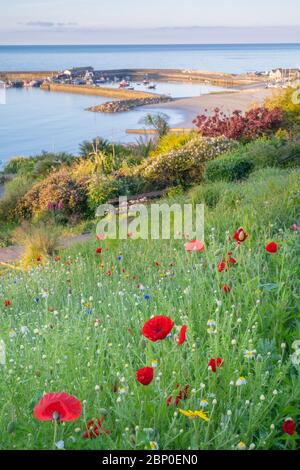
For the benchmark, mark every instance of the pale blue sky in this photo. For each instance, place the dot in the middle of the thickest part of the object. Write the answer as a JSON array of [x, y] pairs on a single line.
[[98, 21]]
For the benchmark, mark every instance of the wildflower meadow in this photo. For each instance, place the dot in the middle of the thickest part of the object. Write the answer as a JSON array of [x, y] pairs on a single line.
[[161, 344]]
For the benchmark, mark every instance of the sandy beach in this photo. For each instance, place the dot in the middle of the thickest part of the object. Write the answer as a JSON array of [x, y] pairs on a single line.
[[226, 101]]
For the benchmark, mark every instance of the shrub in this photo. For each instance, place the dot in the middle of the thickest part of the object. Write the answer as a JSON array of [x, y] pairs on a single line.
[[186, 165], [58, 188], [89, 148], [289, 103], [142, 148], [14, 192], [170, 142], [39, 165], [254, 123], [230, 168], [18, 165], [101, 189], [240, 162]]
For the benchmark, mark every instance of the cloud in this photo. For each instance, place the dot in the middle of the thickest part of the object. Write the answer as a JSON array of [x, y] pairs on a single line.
[[47, 24], [73, 33]]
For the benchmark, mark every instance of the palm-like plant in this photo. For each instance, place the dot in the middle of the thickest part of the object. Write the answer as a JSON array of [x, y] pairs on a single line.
[[158, 122], [88, 146]]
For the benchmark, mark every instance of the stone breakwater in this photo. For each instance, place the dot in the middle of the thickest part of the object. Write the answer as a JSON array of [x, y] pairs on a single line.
[[118, 93], [122, 106]]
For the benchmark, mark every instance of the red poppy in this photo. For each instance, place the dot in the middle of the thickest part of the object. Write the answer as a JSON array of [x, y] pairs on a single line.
[[169, 400], [100, 236], [157, 328], [95, 429], [289, 426], [294, 228], [194, 245], [222, 266], [98, 251], [182, 395], [58, 406], [226, 288], [115, 389], [7, 303], [226, 263], [240, 235], [182, 335], [145, 376], [57, 258], [39, 259], [214, 363], [272, 247]]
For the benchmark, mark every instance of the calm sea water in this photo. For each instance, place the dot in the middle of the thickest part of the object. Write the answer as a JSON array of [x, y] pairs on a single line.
[[234, 58], [34, 120]]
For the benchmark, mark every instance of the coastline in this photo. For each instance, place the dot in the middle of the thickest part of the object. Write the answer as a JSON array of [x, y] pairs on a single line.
[[226, 101]]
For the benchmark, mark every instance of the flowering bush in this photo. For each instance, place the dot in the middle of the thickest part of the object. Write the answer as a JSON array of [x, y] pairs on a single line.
[[59, 188], [185, 165], [254, 123], [289, 103]]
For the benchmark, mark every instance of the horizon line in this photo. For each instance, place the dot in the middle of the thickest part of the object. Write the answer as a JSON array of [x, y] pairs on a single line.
[[155, 44]]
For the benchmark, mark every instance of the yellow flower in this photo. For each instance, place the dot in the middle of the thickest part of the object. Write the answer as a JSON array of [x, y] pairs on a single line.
[[241, 445], [194, 414]]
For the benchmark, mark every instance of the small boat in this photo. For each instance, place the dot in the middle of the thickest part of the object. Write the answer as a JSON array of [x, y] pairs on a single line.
[[124, 84], [18, 84], [151, 86]]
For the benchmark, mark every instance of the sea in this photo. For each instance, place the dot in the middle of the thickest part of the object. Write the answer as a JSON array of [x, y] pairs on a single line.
[[32, 120]]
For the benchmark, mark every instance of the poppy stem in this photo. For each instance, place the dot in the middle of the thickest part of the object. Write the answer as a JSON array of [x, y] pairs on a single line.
[[54, 434]]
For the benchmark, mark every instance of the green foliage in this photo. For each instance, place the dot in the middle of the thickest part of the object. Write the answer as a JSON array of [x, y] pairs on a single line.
[[18, 165], [14, 192], [159, 122], [289, 103], [269, 194], [89, 148], [186, 165], [171, 142], [39, 165], [261, 153], [229, 168], [142, 148], [101, 189], [209, 194]]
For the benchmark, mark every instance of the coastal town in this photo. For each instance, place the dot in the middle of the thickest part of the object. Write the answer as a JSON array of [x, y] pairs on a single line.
[[134, 79]]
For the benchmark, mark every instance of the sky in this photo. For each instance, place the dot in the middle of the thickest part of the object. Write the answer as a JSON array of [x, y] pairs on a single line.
[[152, 21]]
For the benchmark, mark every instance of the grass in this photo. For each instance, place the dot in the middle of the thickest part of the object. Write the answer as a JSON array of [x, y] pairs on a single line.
[[74, 325]]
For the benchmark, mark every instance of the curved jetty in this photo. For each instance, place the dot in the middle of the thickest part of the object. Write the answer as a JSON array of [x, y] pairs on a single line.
[[98, 91], [121, 106]]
